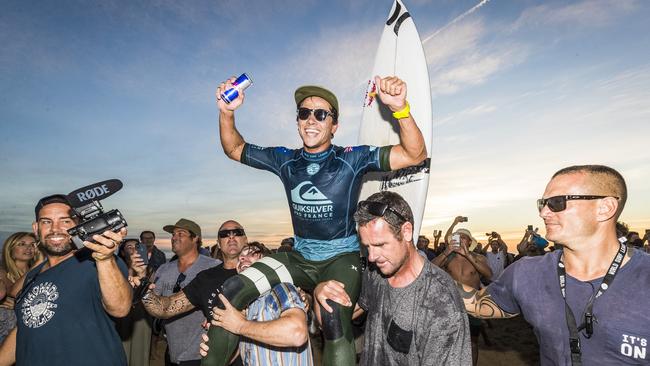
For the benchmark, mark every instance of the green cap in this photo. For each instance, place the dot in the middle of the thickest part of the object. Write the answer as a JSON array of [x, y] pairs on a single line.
[[186, 224], [306, 91]]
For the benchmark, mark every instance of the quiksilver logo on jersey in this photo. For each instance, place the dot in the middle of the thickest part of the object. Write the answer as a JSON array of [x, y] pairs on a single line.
[[309, 202]]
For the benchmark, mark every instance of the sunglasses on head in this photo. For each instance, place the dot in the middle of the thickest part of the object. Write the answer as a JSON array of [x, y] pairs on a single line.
[[226, 233], [319, 114], [379, 209], [179, 280], [558, 203]]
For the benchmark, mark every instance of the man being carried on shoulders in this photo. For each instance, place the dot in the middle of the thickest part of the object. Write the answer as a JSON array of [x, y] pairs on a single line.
[[322, 183]]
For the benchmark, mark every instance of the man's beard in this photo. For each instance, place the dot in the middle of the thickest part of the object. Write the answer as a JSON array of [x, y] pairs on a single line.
[[54, 251]]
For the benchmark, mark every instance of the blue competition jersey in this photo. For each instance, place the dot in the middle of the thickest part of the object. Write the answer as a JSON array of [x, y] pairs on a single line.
[[323, 190]]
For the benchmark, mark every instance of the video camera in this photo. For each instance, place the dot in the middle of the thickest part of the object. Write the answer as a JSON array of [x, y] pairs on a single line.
[[85, 203]]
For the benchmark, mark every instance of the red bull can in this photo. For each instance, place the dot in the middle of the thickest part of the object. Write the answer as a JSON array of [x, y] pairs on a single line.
[[240, 84]]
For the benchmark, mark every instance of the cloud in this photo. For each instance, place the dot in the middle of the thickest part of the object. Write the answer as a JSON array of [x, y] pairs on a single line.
[[469, 113], [457, 19], [589, 13], [452, 42], [339, 59], [466, 52], [462, 55]]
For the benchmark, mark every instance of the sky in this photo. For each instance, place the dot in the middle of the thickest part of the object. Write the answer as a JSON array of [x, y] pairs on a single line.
[[125, 89]]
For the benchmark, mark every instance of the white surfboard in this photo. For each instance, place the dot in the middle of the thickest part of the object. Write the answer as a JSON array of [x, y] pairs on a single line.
[[399, 53]]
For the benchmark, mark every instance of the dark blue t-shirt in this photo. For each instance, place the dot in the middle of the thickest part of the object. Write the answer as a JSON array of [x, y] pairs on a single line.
[[61, 319], [531, 287], [323, 190]]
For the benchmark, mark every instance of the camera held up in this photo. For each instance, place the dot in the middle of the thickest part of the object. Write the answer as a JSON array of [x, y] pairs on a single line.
[[93, 219]]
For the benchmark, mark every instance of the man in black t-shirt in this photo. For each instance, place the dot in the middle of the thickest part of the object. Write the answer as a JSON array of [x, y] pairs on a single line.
[[202, 291]]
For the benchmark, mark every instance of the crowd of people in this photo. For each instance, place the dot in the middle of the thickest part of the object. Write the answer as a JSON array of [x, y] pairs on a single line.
[[354, 272]]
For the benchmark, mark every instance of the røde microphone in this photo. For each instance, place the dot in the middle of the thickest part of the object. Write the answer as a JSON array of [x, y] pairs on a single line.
[[85, 203], [94, 192]]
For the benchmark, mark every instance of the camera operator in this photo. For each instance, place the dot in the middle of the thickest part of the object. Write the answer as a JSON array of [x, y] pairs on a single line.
[[64, 304]]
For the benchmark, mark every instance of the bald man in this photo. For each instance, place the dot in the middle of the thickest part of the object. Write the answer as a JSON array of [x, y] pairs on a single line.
[[587, 302], [201, 292]]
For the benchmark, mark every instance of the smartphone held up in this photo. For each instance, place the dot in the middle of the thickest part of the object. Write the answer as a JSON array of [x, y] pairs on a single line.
[[141, 249], [455, 241]]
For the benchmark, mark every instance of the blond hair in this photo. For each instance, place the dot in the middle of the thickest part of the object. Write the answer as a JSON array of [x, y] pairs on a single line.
[[8, 263]]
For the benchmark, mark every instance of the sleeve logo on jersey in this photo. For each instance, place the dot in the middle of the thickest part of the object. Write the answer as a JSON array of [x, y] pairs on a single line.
[[309, 202], [38, 306]]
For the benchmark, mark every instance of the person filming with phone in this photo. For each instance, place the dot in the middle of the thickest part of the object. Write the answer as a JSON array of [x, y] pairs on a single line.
[[465, 266], [497, 254]]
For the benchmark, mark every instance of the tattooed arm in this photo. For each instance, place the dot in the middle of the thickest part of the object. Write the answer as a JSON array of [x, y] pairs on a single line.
[[480, 304], [165, 307]]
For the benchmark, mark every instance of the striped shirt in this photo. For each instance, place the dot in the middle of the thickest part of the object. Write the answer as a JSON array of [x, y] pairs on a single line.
[[269, 306]]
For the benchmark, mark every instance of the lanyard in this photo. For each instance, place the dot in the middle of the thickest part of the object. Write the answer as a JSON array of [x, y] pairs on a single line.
[[588, 316]]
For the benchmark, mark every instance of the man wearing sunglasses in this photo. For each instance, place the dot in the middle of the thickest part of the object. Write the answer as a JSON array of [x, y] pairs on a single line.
[[166, 297], [322, 183], [415, 317], [588, 302]]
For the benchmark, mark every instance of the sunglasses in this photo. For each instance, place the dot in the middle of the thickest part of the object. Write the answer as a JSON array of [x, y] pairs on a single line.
[[558, 203], [179, 280], [226, 233], [319, 114], [379, 209]]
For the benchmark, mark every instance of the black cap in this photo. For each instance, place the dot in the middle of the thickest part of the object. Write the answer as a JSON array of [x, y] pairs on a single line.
[[55, 198], [307, 91]]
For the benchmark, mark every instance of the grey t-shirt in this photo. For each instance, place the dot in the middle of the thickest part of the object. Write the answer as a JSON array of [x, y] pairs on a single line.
[[183, 331], [531, 287], [430, 308]]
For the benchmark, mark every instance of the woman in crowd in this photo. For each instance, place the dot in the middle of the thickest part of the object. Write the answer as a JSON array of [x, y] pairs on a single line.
[[19, 254], [135, 328]]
